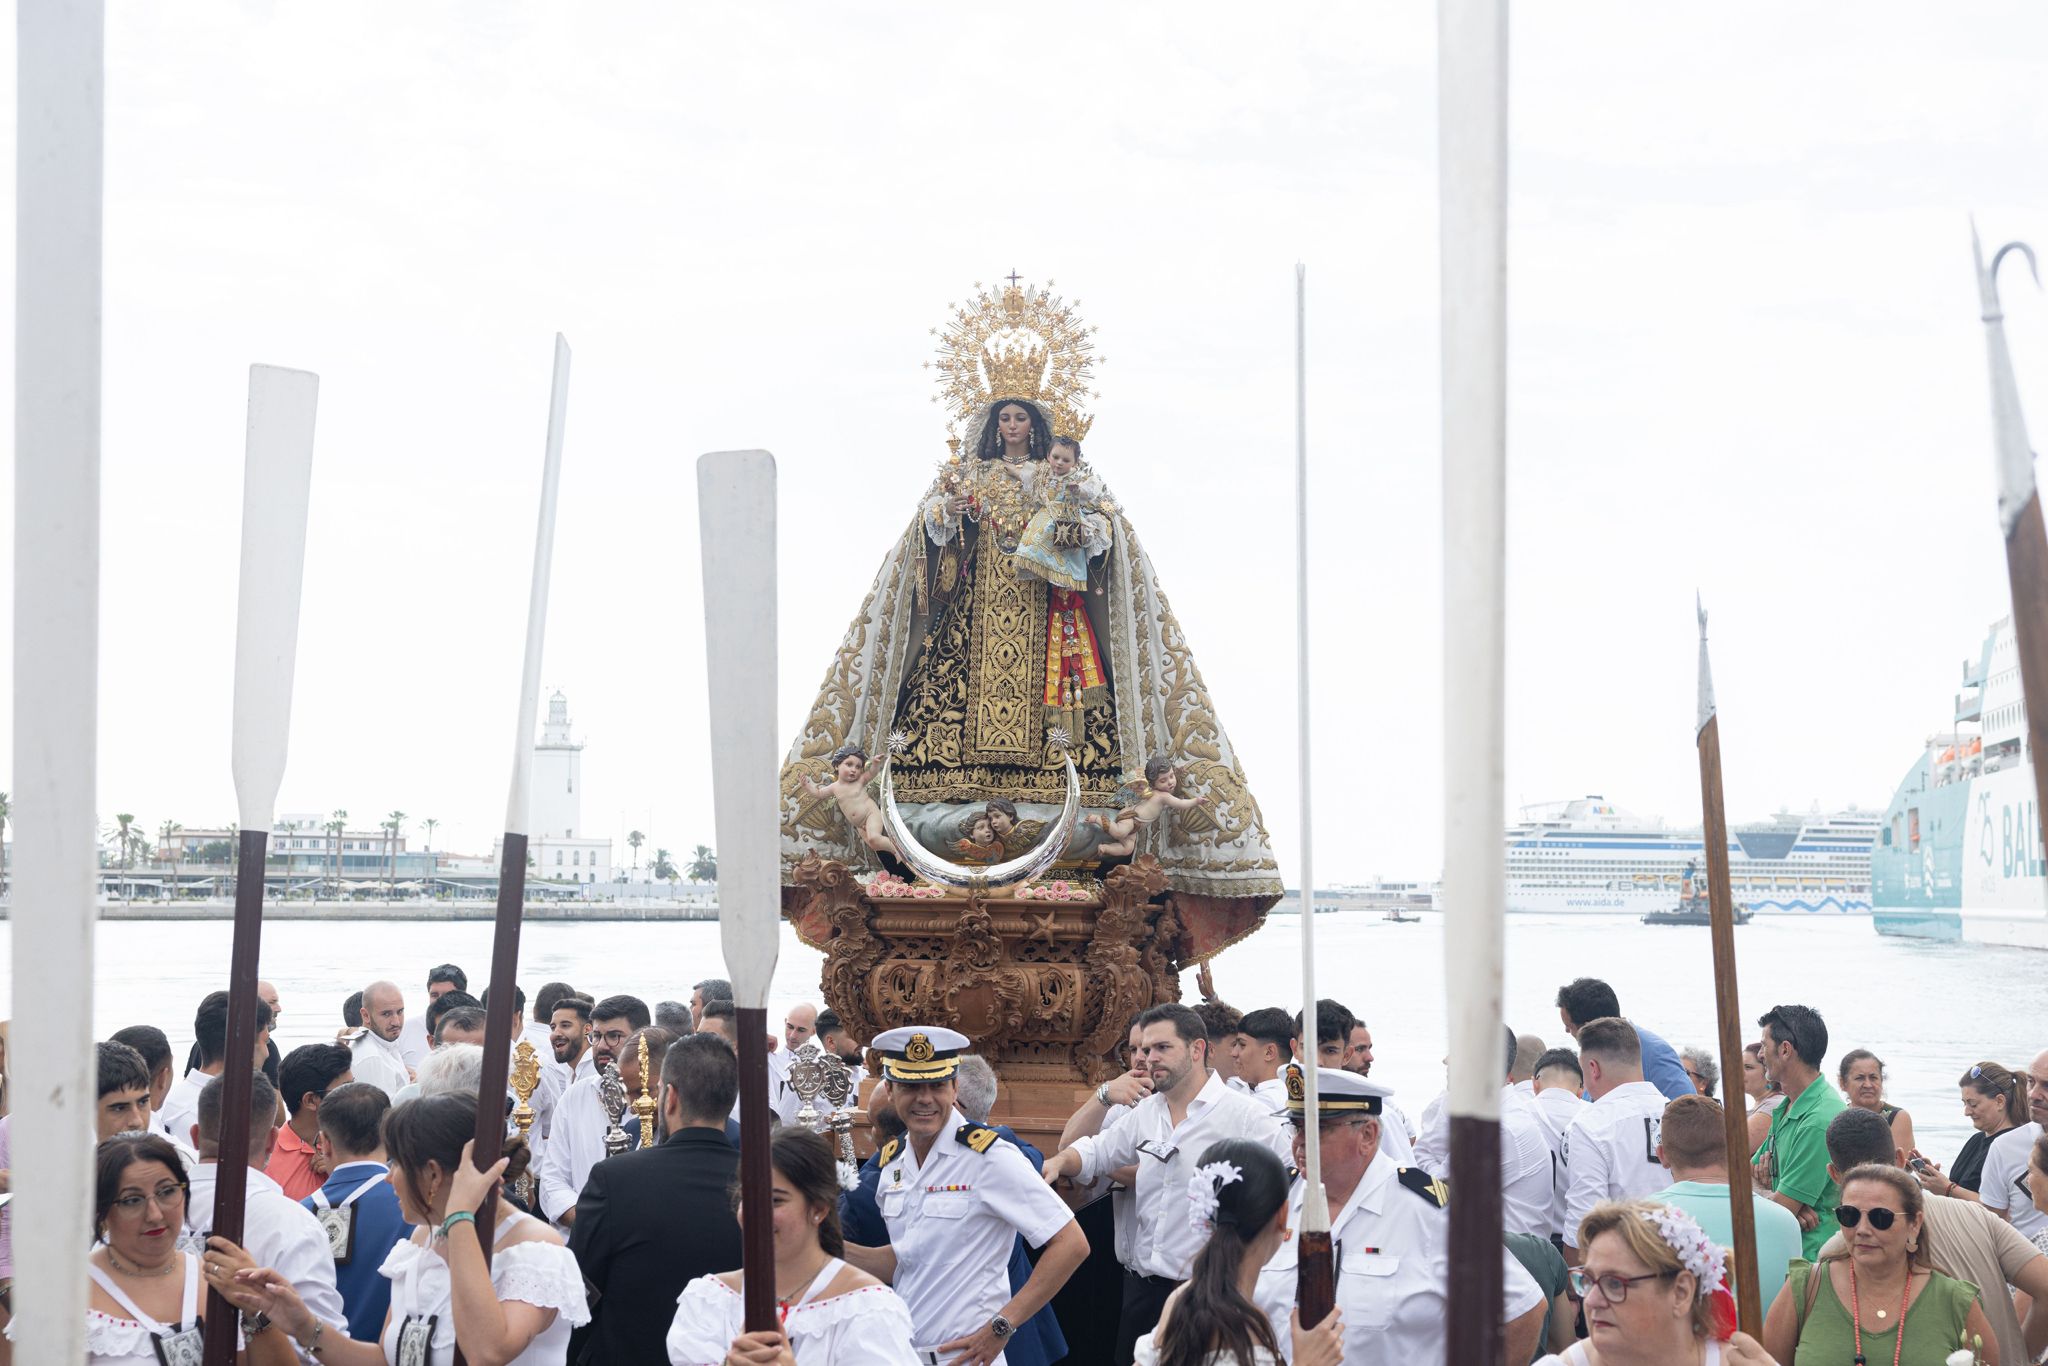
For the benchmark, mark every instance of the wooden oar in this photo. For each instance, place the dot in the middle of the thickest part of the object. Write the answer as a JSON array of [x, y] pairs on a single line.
[[736, 517], [277, 479], [499, 1024], [60, 110], [2019, 516], [1727, 1004], [1472, 49], [1315, 1289]]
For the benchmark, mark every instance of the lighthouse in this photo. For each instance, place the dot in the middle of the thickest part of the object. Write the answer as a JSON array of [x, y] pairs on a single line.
[[563, 850]]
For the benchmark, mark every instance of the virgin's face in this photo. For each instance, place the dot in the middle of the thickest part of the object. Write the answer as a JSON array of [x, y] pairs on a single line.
[[1014, 424]]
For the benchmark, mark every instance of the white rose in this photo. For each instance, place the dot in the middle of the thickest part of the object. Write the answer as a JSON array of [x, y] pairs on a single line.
[[1962, 1356]]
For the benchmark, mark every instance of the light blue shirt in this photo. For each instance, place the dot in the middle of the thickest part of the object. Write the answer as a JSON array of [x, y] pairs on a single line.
[[1661, 1067], [1777, 1230]]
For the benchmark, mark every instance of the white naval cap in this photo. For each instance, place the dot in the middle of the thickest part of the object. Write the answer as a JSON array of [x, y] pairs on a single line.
[[1337, 1092], [919, 1054]]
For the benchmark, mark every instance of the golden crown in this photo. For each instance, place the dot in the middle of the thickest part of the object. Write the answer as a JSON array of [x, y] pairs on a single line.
[[1017, 341]]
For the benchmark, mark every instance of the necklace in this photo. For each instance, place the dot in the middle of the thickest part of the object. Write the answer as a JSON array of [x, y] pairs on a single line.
[[1007, 460], [125, 1270], [1856, 1315], [803, 1279]]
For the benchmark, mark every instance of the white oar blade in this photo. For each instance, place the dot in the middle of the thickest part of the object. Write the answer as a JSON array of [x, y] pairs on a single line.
[[519, 802], [277, 481], [736, 512]]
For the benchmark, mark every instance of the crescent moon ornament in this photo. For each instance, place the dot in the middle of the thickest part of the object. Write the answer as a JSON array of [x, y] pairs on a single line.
[[1022, 868]]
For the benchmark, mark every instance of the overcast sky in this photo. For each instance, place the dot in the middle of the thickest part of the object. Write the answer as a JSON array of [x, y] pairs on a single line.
[[1745, 358]]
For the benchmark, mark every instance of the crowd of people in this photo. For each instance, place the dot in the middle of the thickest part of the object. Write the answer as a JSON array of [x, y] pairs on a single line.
[[366, 1223]]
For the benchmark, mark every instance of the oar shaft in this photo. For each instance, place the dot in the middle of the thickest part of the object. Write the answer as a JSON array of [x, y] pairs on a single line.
[[1728, 1010], [499, 1023], [2026, 563], [757, 1232], [237, 1080]]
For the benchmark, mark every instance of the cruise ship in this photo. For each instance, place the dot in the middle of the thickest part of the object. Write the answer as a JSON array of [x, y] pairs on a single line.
[[1960, 853], [1590, 856]]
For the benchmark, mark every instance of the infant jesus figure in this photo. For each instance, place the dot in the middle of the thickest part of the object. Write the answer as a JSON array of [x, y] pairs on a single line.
[[854, 772], [1161, 778]]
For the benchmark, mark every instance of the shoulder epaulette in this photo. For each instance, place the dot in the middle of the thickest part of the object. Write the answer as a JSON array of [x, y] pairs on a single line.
[[979, 1137], [891, 1148], [349, 1036], [1430, 1188]]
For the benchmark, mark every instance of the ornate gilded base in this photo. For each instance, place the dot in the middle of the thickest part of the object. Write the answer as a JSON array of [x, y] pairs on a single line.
[[1045, 987]]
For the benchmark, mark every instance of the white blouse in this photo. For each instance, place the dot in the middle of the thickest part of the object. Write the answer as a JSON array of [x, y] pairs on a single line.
[[127, 1342], [541, 1274], [865, 1327], [1148, 1355]]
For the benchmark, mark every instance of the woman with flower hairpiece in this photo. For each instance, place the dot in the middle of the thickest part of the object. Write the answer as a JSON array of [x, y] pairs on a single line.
[[1655, 1292], [1238, 1198], [1882, 1302]]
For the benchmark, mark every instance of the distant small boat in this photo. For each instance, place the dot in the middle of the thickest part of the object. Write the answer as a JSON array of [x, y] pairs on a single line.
[[1400, 919], [1694, 910]]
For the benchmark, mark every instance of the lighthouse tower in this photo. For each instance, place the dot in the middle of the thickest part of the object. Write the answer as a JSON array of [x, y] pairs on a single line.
[[563, 851]]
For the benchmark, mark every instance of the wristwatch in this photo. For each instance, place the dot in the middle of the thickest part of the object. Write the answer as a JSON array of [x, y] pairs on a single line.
[[1102, 1095], [1001, 1327], [253, 1324]]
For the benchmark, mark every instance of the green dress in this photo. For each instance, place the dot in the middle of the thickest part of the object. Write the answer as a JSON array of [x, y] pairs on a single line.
[[1827, 1336]]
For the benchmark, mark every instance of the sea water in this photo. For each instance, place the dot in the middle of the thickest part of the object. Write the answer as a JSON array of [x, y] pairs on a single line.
[[1928, 1010]]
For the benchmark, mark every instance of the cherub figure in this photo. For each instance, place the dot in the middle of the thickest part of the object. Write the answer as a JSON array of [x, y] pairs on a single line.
[[1161, 778], [854, 770], [979, 841]]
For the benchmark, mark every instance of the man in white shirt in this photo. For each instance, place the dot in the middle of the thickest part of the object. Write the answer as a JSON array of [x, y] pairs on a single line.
[[1165, 1136], [2002, 1187], [210, 1030], [566, 1062], [277, 1231], [1528, 1183], [1610, 1150], [1269, 1038], [1557, 1084], [1109, 1106], [955, 1196], [576, 1142], [374, 1052]]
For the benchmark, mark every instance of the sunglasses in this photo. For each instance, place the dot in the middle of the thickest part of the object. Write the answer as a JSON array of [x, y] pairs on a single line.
[[1849, 1216]]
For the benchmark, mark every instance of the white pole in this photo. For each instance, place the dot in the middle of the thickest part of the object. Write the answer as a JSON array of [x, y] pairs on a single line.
[[60, 117], [1315, 1207], [1472, 156]]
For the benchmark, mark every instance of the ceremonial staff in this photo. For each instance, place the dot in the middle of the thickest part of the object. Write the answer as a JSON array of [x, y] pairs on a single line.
[[736, 517], [499, 1026], [1734, 1103], [2019, 516], [60, 116], [277, 477], [1472, 40], [1315, 1276]]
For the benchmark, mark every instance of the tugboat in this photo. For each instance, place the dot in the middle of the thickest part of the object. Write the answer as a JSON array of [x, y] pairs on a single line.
[[1693, 908], [1398, 918]]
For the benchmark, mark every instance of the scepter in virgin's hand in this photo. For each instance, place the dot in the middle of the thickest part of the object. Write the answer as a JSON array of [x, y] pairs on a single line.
[[498, 1023], [736, 517], [277, 480], [2019, 516], [1727, 1004]]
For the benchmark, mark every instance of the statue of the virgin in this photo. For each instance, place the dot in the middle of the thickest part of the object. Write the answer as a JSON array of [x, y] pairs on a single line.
[[1016, 623]]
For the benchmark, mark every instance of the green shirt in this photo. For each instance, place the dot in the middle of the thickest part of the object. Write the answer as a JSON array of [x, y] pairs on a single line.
[[1796, 1157], [1827, 1337]]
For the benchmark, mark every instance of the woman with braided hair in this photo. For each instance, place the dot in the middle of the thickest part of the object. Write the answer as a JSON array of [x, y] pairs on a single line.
[[1238, 1195]]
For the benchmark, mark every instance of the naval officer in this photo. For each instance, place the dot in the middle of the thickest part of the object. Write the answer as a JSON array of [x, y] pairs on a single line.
[[1389, 1236], [954, 1196]]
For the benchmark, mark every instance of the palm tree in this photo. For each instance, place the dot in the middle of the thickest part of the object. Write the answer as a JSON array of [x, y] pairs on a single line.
[[334, 828], [395, 822], [636, 839], [703, 864], [430, 823], [664, 870], [170, 851]]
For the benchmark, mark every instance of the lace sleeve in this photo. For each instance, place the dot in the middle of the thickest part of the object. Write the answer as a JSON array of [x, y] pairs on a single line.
[[543, 1275], [865, 1327], [707, 1320]]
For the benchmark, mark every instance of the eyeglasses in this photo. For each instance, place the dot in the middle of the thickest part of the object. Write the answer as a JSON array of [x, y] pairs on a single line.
[[614, 1037], [1613, 1289], [1880, 1218], [166, 1195]]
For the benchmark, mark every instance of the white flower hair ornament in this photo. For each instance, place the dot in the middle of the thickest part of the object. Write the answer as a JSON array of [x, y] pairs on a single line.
[[1203, 1189], [1702, 1256]]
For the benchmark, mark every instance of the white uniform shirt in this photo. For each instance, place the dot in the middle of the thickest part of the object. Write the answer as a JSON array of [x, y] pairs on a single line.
[[1610, 1152], [575, 1145], [1433, 1144], [1392, 1247], [2005, 1169], [1166, 1156], [1556, 1107], [413, 1043], [1528, 1183], [181, 1107], [279, 1233], [953, 1219], [378, 1062]]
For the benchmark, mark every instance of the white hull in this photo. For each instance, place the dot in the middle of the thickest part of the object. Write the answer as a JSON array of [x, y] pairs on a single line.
[[1633, 901]]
